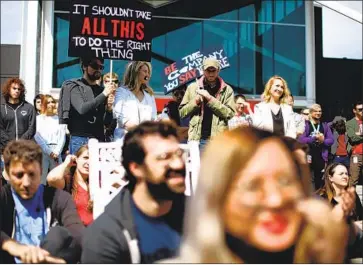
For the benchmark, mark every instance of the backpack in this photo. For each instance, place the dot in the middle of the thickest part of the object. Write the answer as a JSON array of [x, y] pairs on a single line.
[[64, 103]]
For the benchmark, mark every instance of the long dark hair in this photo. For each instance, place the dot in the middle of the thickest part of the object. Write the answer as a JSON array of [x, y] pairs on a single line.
[[328, 190], [72, 185]]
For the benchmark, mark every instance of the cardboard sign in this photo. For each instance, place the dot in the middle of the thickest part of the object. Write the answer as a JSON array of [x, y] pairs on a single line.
[[118, 30], [190, 67]]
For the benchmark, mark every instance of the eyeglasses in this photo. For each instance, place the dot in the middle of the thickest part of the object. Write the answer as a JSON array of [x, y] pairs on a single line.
[[97, 66], [113, 81], [169, 156]]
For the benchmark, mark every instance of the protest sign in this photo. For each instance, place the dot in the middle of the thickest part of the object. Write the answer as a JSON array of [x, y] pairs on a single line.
[[118, 30], [190, 67]]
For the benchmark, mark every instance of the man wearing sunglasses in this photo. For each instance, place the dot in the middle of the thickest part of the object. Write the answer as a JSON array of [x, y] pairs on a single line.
[[84, 104], [355, 138]]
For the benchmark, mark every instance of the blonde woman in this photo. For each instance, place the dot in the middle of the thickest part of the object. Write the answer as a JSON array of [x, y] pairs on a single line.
[[50, 135], [273, 114], [134, 100], [249, 208]]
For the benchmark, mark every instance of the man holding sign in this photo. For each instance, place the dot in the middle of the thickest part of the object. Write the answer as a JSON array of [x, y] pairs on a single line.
[[86, 104], [210, 104]]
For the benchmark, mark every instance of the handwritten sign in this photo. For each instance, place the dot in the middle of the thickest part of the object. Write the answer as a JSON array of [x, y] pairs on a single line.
[[190, 67], [118, 30]]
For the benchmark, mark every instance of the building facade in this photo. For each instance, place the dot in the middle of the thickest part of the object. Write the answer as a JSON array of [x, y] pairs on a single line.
[[261, 39]]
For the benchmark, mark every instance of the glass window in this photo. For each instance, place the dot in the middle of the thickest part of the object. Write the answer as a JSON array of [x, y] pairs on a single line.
[[247, 51], [224, 34], [256, 51]]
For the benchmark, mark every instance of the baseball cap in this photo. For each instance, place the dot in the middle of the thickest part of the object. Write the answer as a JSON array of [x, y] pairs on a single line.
[[211, 62]]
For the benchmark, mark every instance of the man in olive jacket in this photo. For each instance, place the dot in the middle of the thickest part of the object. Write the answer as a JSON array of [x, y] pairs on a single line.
[[210, 104]]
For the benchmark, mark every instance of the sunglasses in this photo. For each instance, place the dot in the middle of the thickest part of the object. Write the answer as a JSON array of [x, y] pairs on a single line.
[[113, 81], [97, 66], [304, 113], [360, 109]]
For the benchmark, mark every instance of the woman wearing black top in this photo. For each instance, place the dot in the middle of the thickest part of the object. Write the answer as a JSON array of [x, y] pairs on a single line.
[[336, 182]]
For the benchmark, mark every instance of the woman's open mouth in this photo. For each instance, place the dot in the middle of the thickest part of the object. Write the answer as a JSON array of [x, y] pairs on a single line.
[[277, 224]]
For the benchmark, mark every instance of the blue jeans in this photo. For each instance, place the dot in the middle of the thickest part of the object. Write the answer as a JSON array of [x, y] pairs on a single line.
[[76, 142], [2, 166], [345, 160], [202, 144]]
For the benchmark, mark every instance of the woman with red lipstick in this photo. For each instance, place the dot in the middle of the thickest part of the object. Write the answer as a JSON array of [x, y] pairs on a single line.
[[336, 184], [252, 206]]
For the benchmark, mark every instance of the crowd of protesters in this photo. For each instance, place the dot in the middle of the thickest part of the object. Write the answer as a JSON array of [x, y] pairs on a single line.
[[274, 185]]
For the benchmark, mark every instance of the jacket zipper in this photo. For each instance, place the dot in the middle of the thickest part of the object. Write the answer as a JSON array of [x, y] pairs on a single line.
[[16, 123]]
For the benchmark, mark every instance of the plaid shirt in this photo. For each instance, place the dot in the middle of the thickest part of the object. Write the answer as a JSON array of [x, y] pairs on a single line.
[[236, 121]]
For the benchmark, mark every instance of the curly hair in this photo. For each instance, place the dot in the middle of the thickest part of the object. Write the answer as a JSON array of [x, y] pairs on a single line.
[[7, 86]]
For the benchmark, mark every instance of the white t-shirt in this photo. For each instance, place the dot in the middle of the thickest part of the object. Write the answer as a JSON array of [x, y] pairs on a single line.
[[50, 135], [127, 107]]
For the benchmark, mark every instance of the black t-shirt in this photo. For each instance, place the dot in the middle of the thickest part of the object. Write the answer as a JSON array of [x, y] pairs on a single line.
[[14, 106], [278, 123], [208, 113]]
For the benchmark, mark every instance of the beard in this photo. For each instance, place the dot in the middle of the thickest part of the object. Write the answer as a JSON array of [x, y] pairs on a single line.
[[95, 76], [162, 192]]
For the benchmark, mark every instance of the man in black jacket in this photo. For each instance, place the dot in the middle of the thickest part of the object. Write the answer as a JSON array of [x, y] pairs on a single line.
[[38, 224], [83, 105], [17, 117], [143, 223]]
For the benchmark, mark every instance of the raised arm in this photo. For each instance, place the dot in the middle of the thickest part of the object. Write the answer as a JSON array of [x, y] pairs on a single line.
[[56, 177]]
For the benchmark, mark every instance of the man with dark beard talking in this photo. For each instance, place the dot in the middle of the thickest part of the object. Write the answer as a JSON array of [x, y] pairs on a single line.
[[143, 223], [83, 104]]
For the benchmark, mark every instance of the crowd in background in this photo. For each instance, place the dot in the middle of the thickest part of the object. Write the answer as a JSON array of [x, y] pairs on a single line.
[[274, 185]]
